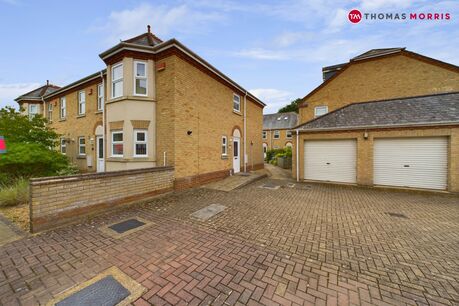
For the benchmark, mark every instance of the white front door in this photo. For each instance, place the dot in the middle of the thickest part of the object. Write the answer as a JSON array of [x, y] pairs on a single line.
[[236, 154], [330, 160], [420, 162], [100, 154]]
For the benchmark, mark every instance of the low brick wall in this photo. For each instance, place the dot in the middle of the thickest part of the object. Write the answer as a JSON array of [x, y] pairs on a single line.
[[58, 200]]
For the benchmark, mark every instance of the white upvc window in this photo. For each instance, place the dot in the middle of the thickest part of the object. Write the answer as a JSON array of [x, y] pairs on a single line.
[[62, 108], [224, 146], [140, 78], [236, 103], [117, 144], [100, 97], [263, 135], [81, 102], [63, 146], [289, 134], [117, 80], [50, 112], [81, 146], [276, 134], [140, 143], [33, 110], [320, 110]]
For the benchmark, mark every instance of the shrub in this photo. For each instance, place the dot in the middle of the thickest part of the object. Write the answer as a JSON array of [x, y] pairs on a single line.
[[15, 194], [30, 160], [272, 155]]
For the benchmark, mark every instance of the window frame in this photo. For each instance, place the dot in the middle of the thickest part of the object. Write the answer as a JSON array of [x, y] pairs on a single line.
[[238, 110], [50, 112], [80, 146], [136, 131], [63, 144], [276, 133], [62, 108], [32, 114], [140, 78], [116, 142], [319, 107], [264, 134], [120, 80], [81, 103], [224, 145], [100, 96], [287, 134]]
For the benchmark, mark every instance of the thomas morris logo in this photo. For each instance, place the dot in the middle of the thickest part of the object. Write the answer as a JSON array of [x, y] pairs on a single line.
[[355, 16]]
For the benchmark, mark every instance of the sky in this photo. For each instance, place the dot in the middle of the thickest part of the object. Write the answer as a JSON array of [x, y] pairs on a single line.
[[274, 49]]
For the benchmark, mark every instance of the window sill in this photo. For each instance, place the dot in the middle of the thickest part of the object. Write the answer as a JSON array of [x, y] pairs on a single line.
[[81, 116], [140, 157], [224, 156], [237, 112], [98, 112], [81, 157], [63, 119]]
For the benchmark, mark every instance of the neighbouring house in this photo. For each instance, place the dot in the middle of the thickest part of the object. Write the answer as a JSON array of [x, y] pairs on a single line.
[[157, 103], [31, 103], [388, 117], [277, 130]]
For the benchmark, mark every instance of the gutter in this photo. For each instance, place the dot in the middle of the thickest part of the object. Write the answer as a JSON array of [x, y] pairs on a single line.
[[245, 132], [297, 155], [382, 126], [103, 124], [91, 77]]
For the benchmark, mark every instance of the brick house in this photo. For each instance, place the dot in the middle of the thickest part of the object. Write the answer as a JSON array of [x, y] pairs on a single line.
[[388, 117], [158, 103], [277, 130]]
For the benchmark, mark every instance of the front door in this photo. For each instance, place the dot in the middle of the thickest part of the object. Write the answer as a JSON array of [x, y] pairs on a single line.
[[100, 154], [236, 155]]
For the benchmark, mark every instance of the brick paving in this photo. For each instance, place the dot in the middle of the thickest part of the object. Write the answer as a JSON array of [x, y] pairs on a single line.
[[317, 245]]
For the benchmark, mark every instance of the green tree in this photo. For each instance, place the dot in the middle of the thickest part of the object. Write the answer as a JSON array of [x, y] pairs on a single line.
[[17, 128], [292, 107], [30, 147]]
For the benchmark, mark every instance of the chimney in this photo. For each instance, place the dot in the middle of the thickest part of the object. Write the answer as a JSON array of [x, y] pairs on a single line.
[[148, 28], [47, 82]]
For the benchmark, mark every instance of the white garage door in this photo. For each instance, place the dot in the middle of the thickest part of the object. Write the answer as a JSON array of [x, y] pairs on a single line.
[[411, 162], [330, 160]]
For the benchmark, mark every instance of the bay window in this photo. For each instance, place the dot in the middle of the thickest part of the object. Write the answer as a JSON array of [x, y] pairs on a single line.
[[117, 144], [140, 143], [117, 80], [140, 78]]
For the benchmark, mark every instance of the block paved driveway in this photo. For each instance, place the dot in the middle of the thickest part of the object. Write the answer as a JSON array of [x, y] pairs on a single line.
[[290, 246]]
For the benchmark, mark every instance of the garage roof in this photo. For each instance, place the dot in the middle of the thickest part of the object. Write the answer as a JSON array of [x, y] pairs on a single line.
[[280, 121], [438, 109]]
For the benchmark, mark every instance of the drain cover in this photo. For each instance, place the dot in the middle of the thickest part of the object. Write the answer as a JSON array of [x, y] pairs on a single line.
[[208, 212], [107, 291], [125, 226], [399, 215], [270, 186]]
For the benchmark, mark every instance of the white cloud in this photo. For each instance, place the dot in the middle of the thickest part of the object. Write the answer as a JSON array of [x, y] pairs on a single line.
[[262, 54], [9, 92], [386, 4], [288, 39], [163, 19], [274, 98]]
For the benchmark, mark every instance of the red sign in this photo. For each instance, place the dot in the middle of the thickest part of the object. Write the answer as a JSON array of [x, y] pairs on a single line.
[[354, 16], [2, 145]]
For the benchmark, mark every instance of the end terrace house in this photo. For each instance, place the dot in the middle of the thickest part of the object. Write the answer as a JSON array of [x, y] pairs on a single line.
[[157, 103]]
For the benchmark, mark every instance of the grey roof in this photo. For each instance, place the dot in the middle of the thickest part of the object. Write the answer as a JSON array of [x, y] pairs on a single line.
[[38, 93], [376, 52], [280, 121], [435, 109], [329, 71], [145, 39]]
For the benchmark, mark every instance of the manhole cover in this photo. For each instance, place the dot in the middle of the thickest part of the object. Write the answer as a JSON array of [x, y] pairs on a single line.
[[125, 226], [269, 186], [107, 291], [208, 212], [398, 215]]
